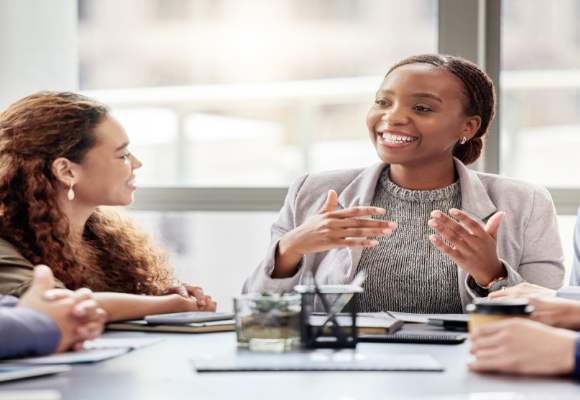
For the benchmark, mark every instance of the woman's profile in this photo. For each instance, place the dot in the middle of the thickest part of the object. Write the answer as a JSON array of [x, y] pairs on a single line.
[[65, 168], [431, 233]]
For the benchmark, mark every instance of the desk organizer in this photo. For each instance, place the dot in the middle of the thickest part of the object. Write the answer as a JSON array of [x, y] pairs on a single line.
[[328, 329]]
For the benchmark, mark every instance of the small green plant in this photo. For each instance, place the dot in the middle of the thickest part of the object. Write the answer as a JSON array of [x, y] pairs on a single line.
[[271, 301]]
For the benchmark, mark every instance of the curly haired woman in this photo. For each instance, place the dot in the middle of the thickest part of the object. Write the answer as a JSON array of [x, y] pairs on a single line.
[[427, 123], [64, 165]]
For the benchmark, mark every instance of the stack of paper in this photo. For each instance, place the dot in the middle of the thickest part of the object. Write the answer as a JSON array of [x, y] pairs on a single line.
[[93, 350]]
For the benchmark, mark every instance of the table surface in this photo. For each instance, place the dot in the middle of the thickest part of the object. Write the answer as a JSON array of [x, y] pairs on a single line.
[[165, 371]]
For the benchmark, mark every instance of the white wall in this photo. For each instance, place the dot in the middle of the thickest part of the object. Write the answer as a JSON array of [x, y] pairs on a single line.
[[38, 47]]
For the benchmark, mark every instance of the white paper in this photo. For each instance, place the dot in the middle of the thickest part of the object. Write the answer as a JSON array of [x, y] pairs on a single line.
[[93, 350], [116, 343], [72, 357], [30, 395]]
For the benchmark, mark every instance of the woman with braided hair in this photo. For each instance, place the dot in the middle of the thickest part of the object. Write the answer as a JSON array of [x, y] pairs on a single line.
[[64, 169], [431, 234]]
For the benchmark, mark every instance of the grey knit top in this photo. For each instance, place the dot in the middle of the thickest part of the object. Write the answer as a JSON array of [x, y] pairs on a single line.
[[406, 272]]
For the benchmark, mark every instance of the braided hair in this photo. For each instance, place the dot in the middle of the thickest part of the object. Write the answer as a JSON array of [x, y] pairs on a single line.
[[479, 93]]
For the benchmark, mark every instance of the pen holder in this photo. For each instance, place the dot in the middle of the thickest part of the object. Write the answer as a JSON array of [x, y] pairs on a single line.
[[330, 328]]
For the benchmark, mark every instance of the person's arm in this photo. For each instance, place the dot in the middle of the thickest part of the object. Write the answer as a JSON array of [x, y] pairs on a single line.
[[121, 306], [521, 346], [25, 331], [542, 255], [325, 230], [36, 326]]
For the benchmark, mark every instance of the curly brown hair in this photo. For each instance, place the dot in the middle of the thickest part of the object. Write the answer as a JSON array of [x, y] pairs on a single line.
[[115, 255], [479, 93]]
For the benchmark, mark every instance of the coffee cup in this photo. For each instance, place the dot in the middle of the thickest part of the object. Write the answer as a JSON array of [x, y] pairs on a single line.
[[483, 312]]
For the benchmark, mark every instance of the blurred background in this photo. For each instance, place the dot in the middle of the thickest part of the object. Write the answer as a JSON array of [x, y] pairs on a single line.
[[226, 102]]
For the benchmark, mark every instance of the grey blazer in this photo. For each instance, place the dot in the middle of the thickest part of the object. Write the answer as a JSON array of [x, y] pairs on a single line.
[[528, 238]]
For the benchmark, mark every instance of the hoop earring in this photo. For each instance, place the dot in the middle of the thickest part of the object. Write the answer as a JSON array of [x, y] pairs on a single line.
[[71, 194], [462, 142]]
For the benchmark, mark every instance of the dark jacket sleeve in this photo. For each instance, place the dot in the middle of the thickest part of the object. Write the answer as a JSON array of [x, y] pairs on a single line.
[[24, 331]]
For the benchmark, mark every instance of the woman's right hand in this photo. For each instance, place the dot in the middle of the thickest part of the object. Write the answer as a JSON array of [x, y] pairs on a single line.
[[329, 229]]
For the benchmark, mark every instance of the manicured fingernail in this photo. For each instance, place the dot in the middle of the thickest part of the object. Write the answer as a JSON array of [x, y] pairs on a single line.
[[387, 231], [436, 214], [380, 210], [433, 239], [374, 242], [454, 212], [433, 223], [393, 225]]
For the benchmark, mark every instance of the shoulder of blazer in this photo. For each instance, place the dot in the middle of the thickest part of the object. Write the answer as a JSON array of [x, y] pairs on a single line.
[[497, 183]]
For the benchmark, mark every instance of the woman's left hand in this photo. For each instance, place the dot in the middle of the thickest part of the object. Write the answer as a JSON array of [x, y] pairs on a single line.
[[185, 290], [475, 252]]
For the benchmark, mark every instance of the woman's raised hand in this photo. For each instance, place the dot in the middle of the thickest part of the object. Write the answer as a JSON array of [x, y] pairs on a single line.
[[329, 229], [474, 250]]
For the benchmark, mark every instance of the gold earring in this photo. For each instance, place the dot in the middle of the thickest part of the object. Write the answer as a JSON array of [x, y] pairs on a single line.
[[462, 142], [71, 194]]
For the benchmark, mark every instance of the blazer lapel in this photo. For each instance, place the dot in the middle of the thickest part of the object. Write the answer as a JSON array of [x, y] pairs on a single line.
[[360, 193], [474, 198]]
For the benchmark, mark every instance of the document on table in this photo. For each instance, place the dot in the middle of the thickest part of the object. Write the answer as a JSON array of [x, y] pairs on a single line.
[[93, 350], [319, 360]]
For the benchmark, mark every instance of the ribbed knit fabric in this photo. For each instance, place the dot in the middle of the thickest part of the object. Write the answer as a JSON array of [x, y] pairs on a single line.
[[406, 272]]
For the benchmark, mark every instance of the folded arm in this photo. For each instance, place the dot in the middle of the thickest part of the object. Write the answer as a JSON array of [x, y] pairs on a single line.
[[121, 306], [25, 331]]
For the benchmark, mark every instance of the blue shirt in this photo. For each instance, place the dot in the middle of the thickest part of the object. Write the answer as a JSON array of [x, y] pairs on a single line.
[[577, 367], [24, 331]]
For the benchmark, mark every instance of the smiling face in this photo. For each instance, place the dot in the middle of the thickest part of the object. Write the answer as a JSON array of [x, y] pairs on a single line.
[[418, 115], [106, 174]]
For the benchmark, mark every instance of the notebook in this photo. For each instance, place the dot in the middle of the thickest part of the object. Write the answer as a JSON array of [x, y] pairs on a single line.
[[367, 323], [196, 327]]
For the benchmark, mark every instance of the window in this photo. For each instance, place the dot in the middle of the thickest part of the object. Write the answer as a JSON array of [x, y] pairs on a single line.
[[251, 93], [540, 81]]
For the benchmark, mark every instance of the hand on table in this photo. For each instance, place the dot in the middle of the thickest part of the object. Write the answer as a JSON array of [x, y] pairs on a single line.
[[77, 314], [205, 303], [521, 346], [522, 291], [557, 312], [475, 252], [329, 229]]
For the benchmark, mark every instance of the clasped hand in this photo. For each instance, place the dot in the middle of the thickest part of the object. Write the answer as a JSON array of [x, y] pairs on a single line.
[[77, 315], [473, 250]]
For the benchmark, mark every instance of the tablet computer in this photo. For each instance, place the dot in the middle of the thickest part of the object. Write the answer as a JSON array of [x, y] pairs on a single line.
[[9, 372], [187, 318]]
